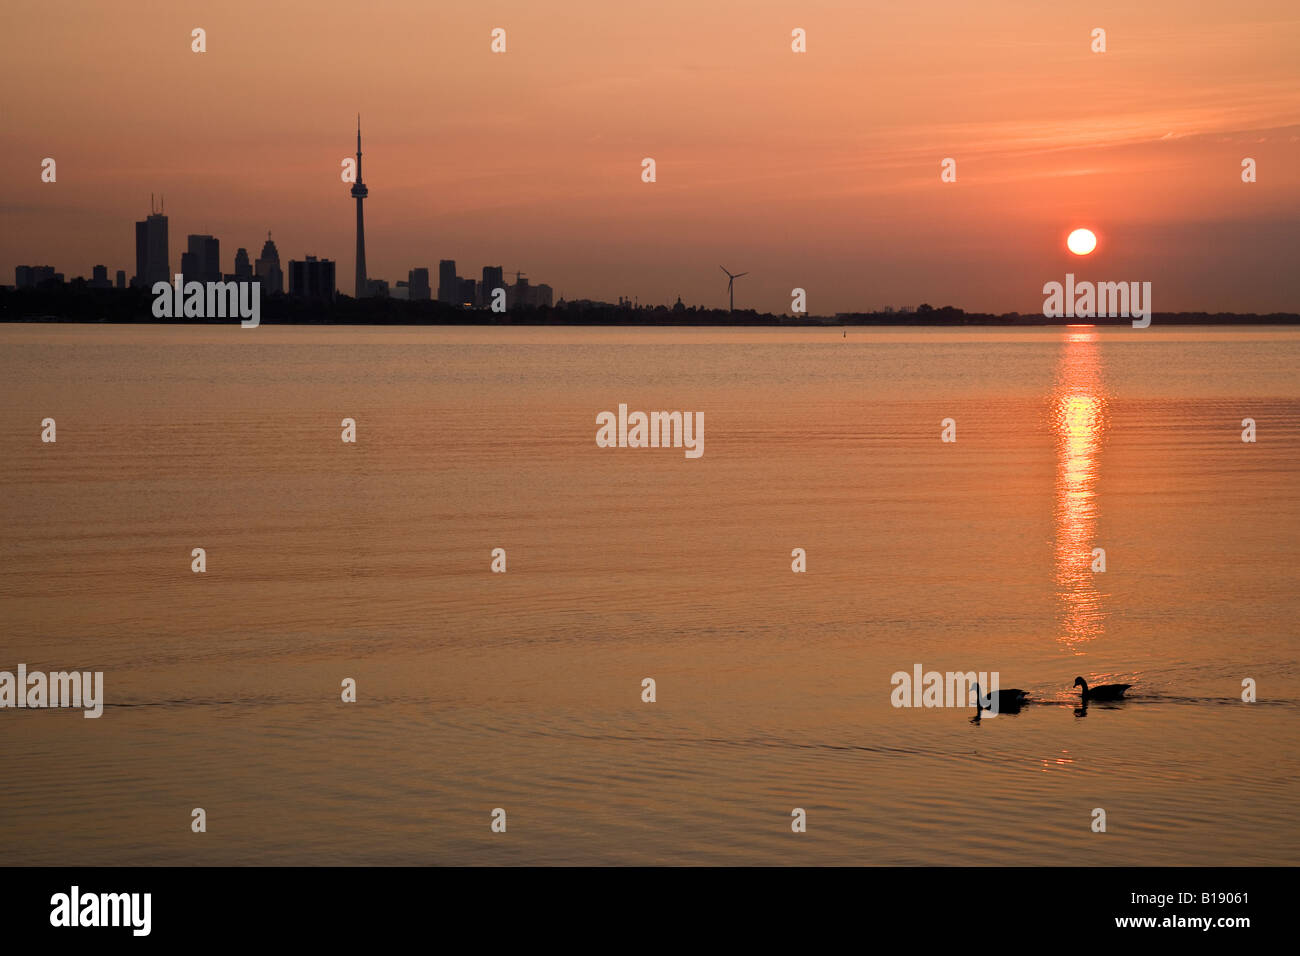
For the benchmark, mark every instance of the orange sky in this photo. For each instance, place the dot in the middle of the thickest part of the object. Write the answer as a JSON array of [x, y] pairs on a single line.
[[818, 170]]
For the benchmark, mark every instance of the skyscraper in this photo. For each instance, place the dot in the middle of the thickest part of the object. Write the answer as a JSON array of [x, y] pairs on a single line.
[[202, 260], [268, 268], [520, 294], [448, 284], [468, 292], [152, 263], [417, 282], [243, 270], [30, 277], [312, 279], [493, 279], [359, 192]]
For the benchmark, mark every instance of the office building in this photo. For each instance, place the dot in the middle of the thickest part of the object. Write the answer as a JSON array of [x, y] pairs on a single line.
[[152, 261], [268, 268], [417, 283], [448, 283], [312, 278], [201, 262]]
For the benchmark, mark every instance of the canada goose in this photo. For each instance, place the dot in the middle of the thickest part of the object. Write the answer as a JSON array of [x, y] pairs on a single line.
[[1101, 691], [1008, 701]]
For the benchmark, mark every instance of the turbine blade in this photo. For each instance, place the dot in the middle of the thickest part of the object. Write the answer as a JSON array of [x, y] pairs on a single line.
[[723, 268], [739, 274]]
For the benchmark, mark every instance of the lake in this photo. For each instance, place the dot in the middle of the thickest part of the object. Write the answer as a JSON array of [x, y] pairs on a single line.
[[522, 690]]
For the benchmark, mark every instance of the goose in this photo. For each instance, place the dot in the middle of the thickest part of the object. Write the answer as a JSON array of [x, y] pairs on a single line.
[[1101, 691], [1009, 701]]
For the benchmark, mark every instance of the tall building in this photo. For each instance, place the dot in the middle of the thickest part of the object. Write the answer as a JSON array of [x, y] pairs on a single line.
[[268, 268], [468, 293], [152, 263], [29, 277], [493, 279], [359, 193], [202, 260], [417, 284], [243, 269], [448, 284], [520, 294], [312, 279], [121, 278], [99, 279]]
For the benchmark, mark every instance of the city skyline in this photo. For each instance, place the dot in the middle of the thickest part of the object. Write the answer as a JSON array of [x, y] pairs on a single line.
[[818, 170], [312, 277]]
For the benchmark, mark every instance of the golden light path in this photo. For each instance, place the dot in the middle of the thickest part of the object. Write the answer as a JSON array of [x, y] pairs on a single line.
[[1079, 421]]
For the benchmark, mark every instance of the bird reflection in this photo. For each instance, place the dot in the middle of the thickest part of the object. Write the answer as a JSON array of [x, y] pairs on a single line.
[[1079, 421]]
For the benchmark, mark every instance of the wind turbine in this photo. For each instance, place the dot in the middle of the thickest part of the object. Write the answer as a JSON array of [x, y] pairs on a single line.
[[731, 293]]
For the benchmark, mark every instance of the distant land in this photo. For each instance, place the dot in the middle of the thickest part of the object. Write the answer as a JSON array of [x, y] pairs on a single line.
[[79, 304]]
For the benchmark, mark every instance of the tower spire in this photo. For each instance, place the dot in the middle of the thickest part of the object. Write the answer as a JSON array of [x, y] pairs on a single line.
[[359, 193]]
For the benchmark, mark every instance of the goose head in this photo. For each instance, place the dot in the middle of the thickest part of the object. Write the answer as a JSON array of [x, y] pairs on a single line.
[[1080, 682]]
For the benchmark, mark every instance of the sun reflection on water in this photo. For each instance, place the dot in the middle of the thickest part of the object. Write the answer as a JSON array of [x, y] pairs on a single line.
[[1079, 420]]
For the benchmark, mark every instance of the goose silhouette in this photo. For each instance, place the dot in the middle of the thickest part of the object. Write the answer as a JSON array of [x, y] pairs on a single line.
[[1101, 691], [1008, 701]]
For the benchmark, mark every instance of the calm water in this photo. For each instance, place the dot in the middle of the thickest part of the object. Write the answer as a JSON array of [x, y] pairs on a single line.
[[522, 690]]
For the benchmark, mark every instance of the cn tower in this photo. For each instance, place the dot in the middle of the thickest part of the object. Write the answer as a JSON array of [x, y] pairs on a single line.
[[359, 192]]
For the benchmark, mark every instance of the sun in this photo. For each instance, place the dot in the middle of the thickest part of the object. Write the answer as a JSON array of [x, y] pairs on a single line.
[[1081, 242]]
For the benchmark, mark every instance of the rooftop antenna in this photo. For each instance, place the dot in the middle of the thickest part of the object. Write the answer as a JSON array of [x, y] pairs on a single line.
[[731, 293]]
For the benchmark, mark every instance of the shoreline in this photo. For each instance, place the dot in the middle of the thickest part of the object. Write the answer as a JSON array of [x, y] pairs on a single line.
[[527, 320]]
